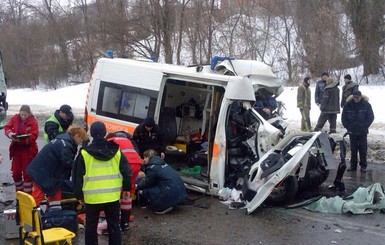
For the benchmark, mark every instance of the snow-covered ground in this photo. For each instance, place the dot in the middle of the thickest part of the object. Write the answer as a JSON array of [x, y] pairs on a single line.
[[47, 101]]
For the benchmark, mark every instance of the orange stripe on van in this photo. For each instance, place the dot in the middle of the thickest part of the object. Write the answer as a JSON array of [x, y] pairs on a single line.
[[215, 150], [111, 126]]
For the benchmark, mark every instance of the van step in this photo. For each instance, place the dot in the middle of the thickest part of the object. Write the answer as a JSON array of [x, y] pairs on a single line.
[[199, 181]]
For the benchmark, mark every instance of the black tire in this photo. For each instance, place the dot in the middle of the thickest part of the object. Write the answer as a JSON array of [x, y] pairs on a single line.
[[284, 192]]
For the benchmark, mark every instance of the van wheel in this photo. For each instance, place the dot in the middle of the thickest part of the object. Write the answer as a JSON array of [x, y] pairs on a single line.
[[284, 192]]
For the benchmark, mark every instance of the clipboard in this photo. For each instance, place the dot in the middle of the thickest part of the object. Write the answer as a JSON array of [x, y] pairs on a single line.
[[22, 136]]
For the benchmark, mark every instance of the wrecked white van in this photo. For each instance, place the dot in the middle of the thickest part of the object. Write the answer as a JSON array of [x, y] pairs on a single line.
[[3, 94], [216, 138]]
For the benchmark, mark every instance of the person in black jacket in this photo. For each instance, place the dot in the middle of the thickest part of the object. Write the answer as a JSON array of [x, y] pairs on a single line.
[[357, 116], [348, 89], [58, 123], [148, 135], [100, 174], [320, 87], [330, 106], [161, 186], [53, 164]]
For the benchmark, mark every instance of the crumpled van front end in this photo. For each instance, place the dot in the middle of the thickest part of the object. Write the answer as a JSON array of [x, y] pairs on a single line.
[[286, 168]]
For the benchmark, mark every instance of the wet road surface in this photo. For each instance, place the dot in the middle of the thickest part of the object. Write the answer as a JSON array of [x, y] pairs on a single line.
[[207, 221]]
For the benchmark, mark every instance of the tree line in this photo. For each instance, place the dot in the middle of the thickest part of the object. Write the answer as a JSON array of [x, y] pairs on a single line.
[[53, 42]]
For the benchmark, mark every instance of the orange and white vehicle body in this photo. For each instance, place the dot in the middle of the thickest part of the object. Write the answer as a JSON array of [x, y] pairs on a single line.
[[123, 92], [203, 111]]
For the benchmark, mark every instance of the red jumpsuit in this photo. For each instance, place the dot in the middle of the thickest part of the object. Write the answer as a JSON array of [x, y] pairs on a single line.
[[127, 148], [22, 152], [132, 156]]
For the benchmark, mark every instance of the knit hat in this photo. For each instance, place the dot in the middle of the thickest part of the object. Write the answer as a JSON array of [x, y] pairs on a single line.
[[149, 122], [325, 74], [357, 93], [98, 130], [347, 76], [66, 109], [306, 80], [123, 134]]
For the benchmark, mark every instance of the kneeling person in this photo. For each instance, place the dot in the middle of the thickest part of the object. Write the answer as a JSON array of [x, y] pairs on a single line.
[[162, 186]]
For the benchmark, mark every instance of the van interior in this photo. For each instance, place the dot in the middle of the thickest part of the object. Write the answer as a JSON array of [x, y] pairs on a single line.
[[188, 117]]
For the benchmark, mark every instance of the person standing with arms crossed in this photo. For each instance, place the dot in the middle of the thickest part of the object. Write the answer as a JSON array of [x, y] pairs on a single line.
[[357, 116], [101, 172], [304, 104]]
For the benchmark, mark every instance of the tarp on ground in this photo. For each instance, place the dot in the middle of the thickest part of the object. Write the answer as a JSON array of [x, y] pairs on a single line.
[[362, 201]]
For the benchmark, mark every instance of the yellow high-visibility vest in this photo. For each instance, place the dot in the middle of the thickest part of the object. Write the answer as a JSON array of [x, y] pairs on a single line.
[[102, 182], [52, 119]]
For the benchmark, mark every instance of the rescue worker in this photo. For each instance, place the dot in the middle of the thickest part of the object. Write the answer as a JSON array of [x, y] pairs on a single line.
[[148, 135], [101, 172], [58, 123], [22, 150], [160, 185], [53, 165], [123, 139]]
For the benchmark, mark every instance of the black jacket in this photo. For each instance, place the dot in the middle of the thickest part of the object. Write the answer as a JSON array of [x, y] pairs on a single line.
[[104, 150], [52, 128], [149, 140], [348, 90], [319, 89], [162, 185], [330, 102], [357, 117], [53, 164]]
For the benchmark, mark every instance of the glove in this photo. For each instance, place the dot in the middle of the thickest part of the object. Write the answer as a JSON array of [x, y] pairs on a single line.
[[11, 135]]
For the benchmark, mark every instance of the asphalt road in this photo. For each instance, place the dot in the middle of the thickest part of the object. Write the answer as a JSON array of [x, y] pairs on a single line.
[[207, 221]]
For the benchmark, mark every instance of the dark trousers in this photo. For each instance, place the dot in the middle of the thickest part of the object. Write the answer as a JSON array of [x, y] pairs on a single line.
[[358, 144], [330, 117], [112, 212]]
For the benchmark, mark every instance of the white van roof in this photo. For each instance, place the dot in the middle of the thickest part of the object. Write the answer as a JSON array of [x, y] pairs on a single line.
[[258, 73]]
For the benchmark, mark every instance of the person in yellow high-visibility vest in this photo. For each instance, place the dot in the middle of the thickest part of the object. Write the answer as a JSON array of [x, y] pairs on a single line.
[[58, 123], [101, 172]]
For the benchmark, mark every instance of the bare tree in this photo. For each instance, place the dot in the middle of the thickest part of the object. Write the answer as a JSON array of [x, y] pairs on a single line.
[[181, 29], [86, 47], [19, 41], [321, 36], [367, 20]]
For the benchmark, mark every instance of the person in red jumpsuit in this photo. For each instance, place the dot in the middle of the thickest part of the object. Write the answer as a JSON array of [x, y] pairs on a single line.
[[123, 139], [23, 131]]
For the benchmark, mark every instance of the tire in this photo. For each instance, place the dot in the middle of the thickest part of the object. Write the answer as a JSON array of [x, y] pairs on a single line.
[[284, 192]]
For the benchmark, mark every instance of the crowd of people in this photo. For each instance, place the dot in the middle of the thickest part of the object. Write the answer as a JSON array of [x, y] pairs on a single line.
[[105, 174], [357, 113]]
